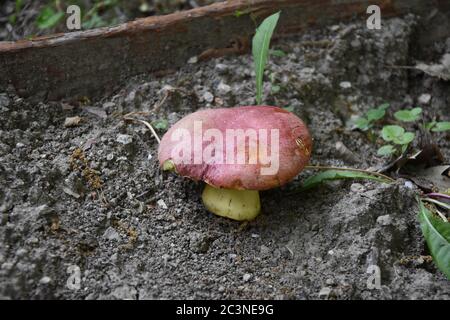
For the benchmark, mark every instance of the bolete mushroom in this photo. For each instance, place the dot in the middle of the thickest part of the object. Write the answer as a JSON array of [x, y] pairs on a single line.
[[237, 152]]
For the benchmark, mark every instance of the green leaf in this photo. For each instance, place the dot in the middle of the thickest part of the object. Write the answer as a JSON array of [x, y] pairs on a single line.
[[390, 133], [441, 126], [48, 18], [437, 236], [260, 50], [160, 124], [362, 124], [408, 115], [277, 53], [289, 108], [378, 113], [386, 150], [404, 139], [430, 125], [338, 174], [404, 147]]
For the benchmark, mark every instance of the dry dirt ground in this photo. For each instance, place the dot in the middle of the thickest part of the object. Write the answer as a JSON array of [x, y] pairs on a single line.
[[87, 214]]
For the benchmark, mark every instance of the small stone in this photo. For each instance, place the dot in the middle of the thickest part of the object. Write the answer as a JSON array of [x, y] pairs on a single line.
[[124, 139], [208, 97], [110, 156], [384, 220], [111, 234], [223, 88], [162, 204], [324, 292], [21, 252], [409, 184], [221, 289], [246, 277], [255, 235], [329, 282], [424, 98], [45, 280], [357, 187], [335, 27], [193, 60], [4, 100], [221, 68], [149, 157], [20, 145], [345, 85], [70, 192], [72, 121]]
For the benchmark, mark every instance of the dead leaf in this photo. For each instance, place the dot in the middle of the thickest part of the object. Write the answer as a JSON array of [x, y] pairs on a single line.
[[438, 176], [441, 70]]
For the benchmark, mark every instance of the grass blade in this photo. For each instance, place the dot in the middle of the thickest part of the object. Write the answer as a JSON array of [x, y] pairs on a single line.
[[260, 50], [437, 236], [338, 174]]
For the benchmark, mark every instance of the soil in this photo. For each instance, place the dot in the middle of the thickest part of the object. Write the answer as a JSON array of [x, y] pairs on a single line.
[[87, 214]]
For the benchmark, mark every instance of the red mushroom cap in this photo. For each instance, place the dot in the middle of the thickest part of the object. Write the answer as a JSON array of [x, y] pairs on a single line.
[[294, 147]]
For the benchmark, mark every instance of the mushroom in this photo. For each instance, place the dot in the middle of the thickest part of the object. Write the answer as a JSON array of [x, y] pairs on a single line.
[[237, 152]]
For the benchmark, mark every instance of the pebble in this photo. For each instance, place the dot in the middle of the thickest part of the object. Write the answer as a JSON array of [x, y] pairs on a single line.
[[45, 280], [357, 187], [223, 88], [325, 292], [72, 122], [193, 60], [4, 100], [221, 68], [162, 204], [345, 85], [384, 220], [70, 192], [409, 184], [424, 98], [208, 97], [111, 234], [246, 277], [124, 139]]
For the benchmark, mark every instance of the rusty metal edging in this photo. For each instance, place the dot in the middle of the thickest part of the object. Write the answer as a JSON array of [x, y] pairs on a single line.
[[89, 62]]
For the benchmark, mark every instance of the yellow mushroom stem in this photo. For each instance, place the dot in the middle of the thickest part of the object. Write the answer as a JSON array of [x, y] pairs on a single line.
[[241, 205]]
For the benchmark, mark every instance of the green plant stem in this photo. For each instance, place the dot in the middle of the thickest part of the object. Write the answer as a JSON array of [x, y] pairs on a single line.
[[380, 175]]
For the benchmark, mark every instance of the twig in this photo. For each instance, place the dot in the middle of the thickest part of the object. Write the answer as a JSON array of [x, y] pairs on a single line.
[[350, 169], [148, 125]]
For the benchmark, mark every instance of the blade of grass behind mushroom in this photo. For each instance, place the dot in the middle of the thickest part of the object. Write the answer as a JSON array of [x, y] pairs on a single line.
[[336, 173]]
